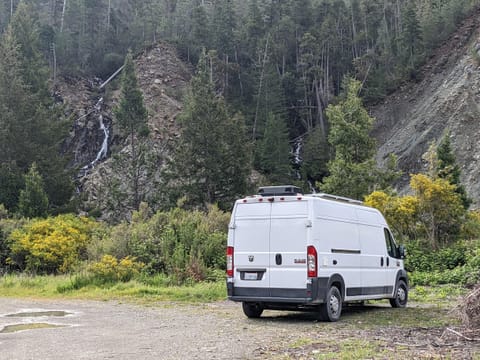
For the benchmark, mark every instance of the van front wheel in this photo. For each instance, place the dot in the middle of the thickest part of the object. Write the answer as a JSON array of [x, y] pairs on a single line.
[[252, 310], [332, 308], [401, 295]]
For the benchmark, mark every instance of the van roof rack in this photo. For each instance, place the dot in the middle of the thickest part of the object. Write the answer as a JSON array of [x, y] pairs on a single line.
[[338, 198], [279, 190]]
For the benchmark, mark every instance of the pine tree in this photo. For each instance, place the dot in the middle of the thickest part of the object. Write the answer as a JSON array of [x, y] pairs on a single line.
[[33, 201], [274, 151], [315, 156], [353, 171], [25, 28], [11, 183], [200, 37], [412, 44], [131, 115], [212, 159], [448, 169], [16, 105], [32, 127], [254, 30], [223, 26], [351, 126]]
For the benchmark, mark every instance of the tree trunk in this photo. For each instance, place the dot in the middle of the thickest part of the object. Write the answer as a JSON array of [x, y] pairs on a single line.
[[225, 86], [108, 13], [354, 35], [54, 54], [63, 15], [260, 89], [135, 170], [239, 72], [320, 117]]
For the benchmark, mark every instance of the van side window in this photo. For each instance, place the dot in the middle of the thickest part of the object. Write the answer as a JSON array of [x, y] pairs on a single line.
[[391, 246]]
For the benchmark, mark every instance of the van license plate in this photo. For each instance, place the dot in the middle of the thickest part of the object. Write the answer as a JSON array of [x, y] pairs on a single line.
[[251, 276]]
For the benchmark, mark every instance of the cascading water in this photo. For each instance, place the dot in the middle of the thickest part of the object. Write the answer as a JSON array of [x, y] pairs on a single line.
[[297, 157], [298, 160], [102, 153]]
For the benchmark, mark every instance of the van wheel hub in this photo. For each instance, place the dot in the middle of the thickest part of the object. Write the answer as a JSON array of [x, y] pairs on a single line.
[[334, 304], [401, 294]]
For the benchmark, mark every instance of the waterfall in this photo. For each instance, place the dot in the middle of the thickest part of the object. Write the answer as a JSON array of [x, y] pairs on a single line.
[[102, 153], [297, 157], [297, 151], [297, 148]]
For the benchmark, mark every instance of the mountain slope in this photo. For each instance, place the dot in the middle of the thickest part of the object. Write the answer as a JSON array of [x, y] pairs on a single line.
[[163, 79], [447, 98]]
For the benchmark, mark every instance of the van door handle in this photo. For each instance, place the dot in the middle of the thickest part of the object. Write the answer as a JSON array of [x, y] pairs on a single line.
[[388, 261], [278, 259], [381, 261]]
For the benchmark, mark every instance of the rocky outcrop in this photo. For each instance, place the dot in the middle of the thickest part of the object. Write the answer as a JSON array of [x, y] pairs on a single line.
[[163, 79], [447, 98], [80, 98]]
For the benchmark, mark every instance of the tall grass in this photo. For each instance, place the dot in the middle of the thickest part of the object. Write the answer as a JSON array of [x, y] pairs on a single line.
[[145, 290]]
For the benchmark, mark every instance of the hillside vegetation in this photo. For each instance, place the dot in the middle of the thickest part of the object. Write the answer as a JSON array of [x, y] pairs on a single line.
[[267, 92]]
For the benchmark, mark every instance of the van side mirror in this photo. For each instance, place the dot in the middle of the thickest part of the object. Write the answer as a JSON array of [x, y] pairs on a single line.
[[402, 252]]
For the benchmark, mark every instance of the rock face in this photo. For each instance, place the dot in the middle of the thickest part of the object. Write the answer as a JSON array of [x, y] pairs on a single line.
[[79, 97], [447, 98], [163, 79]]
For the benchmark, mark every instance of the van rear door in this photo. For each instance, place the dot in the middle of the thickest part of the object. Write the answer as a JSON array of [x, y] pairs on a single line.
[[251, 241], [288, 248], [270, 242]]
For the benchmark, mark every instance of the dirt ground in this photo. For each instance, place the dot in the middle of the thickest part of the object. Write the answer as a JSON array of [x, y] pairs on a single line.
[[68, 329]]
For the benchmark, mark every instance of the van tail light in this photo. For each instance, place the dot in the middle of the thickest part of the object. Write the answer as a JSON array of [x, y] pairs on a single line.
[[311, 262], [230, 261]]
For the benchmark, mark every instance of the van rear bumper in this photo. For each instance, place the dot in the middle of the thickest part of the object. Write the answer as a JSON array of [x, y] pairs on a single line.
[[314, 293]]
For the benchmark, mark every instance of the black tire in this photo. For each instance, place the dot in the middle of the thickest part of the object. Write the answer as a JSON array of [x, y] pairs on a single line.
[[401, 295], [332, 308], [252, 310]]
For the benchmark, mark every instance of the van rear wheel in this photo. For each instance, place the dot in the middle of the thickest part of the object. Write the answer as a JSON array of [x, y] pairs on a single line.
[[332, 308], [252, 310], [401, 295]]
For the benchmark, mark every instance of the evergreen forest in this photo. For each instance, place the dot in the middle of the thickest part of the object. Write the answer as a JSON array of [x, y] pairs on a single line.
[[277, 63], [279, 95]]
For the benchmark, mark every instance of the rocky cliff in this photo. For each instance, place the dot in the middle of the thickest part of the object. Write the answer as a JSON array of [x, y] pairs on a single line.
[[446, 98], [163, 79]]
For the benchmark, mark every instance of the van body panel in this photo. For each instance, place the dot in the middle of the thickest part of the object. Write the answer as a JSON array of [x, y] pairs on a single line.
[[251, 230], [288, 245]]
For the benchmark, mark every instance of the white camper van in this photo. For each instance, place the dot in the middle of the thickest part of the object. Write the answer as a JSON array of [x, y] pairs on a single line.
[[287, 250]]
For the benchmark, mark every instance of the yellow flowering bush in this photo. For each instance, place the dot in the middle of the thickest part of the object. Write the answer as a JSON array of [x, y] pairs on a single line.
[[109, 269], [435, 210], [52, 245]]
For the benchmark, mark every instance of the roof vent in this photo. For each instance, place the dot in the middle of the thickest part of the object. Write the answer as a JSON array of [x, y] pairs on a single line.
[[284, 190]]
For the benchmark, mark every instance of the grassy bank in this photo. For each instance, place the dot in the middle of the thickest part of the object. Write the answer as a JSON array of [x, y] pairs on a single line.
[[160, 288], [74, 287]]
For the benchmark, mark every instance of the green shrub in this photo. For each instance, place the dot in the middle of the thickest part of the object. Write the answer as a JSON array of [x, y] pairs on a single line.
[[471, 225], [7, 226], [185, 245], [52, 245], [421, 258], [458, 263]]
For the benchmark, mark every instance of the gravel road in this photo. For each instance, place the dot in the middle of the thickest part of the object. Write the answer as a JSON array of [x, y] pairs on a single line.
[[112, 330], [70, 330]]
